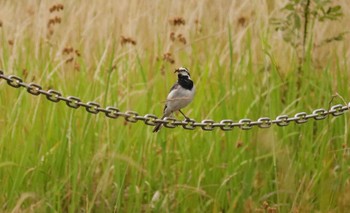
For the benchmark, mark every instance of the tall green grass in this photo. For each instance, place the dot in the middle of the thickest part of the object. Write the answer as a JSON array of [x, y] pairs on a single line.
[[57, 159]]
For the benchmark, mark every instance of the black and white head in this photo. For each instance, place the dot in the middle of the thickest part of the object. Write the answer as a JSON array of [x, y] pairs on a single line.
[[183, 73]]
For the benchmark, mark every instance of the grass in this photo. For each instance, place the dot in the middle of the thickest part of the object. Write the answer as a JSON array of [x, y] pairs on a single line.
[[57, 159]]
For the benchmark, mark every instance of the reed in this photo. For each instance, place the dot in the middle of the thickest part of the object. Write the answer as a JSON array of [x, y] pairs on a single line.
[[57, 159]]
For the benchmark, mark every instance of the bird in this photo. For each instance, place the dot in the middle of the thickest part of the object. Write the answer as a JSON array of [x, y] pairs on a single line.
[[180, 95]]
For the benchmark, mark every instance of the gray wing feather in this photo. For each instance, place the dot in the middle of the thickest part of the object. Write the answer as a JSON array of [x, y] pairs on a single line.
[[175, 86]]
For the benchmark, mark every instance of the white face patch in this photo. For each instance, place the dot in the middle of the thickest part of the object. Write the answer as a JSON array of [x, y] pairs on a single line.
[[184, 72]]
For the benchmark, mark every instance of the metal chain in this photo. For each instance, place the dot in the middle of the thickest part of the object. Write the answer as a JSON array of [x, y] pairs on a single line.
[[152, 120]]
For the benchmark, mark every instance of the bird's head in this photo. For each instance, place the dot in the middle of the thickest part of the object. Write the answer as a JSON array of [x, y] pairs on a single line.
[[183, 72]]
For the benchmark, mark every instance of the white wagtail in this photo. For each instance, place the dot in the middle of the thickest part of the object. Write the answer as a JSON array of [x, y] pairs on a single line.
[[180, 95]]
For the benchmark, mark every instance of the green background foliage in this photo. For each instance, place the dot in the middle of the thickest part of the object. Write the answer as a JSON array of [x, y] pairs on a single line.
[[123, 54]]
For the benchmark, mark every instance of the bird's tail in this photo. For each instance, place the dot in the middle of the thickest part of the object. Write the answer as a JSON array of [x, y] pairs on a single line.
[[157, 127]]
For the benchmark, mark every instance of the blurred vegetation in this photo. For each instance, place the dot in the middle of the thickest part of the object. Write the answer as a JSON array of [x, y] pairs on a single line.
[[56, 159]]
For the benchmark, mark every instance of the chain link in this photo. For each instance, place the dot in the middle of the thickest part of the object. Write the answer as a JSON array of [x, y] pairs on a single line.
[[152, 120]]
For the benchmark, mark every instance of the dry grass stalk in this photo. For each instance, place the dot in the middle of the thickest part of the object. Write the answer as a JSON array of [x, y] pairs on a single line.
[[177, 21], [127, 40]]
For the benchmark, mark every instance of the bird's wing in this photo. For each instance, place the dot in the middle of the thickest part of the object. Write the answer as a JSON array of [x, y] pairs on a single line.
[[170, 95], [175, 86]]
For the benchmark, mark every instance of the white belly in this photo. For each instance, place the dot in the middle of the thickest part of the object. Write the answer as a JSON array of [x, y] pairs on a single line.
[[178, 99]]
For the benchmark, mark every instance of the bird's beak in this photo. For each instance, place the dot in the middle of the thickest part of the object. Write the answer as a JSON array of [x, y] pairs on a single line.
[[177, 70]]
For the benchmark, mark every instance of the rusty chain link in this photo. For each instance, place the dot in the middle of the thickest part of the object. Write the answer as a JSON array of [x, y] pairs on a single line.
[[152, 120]]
